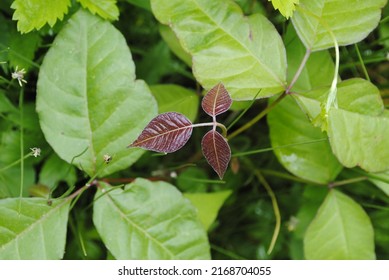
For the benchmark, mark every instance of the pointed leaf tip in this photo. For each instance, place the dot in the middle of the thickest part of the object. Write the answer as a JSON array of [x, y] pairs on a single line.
[[216, 101], [165, 133], [216, 151]]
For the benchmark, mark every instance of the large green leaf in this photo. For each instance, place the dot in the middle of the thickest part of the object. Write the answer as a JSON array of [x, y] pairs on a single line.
[[340, 230], [359, 140], [208, 205], [88, 100], [311, 161], [150, 221], [37, 231], [172, 41], [107, 9], [176, 98], [381, 180], [349, 20], [245, 53], [32, 14]]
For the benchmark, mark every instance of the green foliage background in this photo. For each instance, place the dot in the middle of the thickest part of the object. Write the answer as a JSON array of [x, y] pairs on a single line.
[[309, 175]]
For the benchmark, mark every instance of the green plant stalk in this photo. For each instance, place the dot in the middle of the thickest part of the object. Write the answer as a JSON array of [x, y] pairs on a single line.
[[276, 209], [288, 176], [347, 181], [257, 118], [244, 111], [331, 99], [15, 162], [21, 97], [362, 63], [299, 70], [227, 253]]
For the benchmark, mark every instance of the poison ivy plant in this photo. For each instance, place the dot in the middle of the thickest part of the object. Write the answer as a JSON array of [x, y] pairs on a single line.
[[310, 182]]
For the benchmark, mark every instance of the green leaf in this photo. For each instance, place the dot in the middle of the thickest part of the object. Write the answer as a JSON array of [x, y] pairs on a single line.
[[150, 221], [88, 100], [340, 230], [208, 205], [145, 4], [350, 21], [37, 231], [286, 7], [310, 160], [244, 53], [172, 41], [107, 9], [359, 140], [10, 181], [34, 14], [176, 98], [55, 170], [382, 184]]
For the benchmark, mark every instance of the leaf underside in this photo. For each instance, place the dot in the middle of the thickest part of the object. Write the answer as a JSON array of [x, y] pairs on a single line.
[[165, 133], [216, 151], [216, 101]]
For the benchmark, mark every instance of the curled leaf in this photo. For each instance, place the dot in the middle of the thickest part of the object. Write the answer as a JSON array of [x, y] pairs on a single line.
[[165, 133], [216, 101], [216, 151]]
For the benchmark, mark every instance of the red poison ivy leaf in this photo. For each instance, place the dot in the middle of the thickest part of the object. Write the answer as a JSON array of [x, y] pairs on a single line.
[[217, 151], [216, 101], [165, 133]]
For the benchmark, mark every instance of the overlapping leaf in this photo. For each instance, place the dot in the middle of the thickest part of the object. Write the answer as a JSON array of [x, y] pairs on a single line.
[[88, 100], [216, 101], [32, 229], [151, 220], [34, 14], [349, 20], [340, 230], [216, 151], [246, 53], [165, 133], [107, 9], [286, 7]]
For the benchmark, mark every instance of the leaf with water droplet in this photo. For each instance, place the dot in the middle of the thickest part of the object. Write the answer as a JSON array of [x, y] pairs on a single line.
[[165, 133], [216, 151], [216, 101]]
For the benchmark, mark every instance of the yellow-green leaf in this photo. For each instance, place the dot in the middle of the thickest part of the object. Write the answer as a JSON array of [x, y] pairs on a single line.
[[107, 9], [286, 7]]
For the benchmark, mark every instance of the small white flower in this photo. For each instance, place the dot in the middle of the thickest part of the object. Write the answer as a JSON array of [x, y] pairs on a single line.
[[36, 152], [19, 75], [107, 158]]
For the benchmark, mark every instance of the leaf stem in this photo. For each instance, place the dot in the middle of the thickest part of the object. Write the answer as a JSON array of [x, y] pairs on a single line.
[[244, 111], [299, 70], [21, 97], [362, 62], [257, 118], [276, 209], [213, 124], [347, 181]]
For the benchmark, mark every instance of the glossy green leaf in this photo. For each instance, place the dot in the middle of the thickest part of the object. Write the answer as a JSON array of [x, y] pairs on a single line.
[[107, 9], [312, 161], [244, 53], [37, 231], [208, 205], [340, 230], [174, 44], [151, 221], [34, 14], [176, 98], [286, 7], [350, 21], [359, 140], [88, 100]]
